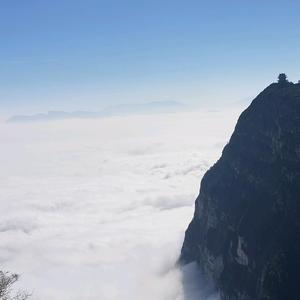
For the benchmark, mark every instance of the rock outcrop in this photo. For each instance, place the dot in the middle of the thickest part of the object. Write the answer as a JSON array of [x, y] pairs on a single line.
[[245, 233]]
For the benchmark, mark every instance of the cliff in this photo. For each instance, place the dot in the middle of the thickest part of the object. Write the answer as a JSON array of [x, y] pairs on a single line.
[[245, 233]]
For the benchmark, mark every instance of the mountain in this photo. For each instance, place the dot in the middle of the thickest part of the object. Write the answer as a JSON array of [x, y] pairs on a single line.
[[245, 233], [117, 110]]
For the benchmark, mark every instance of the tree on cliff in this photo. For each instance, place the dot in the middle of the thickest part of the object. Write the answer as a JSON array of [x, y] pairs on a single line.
[[282, 78], [6, 281]]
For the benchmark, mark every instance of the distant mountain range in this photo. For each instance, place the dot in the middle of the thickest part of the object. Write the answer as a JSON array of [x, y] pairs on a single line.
[[117, 110]]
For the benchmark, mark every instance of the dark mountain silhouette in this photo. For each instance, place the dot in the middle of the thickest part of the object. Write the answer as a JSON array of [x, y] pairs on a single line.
[[245, 233]]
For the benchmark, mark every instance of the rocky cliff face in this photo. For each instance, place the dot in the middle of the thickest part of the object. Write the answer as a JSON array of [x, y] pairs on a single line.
[[245, 233]]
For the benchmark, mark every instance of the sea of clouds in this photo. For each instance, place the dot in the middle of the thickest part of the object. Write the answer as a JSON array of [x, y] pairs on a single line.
[[97, 209]]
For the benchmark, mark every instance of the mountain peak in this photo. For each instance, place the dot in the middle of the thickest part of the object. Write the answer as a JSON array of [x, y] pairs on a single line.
[[245, 231]]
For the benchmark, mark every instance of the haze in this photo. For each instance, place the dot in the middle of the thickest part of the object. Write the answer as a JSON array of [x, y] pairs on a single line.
[[96, 209]]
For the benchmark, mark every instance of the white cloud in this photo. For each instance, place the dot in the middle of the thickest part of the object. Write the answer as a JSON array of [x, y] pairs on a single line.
[[97, 209]]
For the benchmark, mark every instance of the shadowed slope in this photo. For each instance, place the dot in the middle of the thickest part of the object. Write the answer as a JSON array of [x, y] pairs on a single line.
[[245, 234]]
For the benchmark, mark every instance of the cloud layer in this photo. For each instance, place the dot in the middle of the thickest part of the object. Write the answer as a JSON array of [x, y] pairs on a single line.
[[96, 209]]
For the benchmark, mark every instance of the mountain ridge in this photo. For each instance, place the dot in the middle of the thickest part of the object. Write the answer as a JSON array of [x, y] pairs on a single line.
[[246, 227], [116, 110]]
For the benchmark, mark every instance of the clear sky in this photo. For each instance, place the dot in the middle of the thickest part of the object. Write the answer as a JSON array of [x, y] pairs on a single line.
[[86, 54]]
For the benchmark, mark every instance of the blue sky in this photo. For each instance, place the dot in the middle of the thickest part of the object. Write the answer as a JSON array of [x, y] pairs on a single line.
[[86, 54]]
